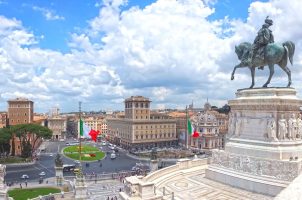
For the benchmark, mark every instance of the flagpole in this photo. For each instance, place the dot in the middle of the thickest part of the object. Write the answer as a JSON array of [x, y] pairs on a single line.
[[80, 147], [187, 135]]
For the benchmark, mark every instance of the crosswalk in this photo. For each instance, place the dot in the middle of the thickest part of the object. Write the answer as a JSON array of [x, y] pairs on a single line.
[[104, 190]]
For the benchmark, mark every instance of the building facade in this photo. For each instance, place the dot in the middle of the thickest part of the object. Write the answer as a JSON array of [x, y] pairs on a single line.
[[20, 111], [3, 119], [58, 125], [212, 128], [141, 129]]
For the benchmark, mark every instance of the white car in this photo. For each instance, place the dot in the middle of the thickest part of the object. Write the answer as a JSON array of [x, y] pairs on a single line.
[[113, 156], [42, 174], [25, 176], [103, 143]]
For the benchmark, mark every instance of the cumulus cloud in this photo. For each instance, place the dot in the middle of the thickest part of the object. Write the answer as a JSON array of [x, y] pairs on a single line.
[[47, 13], [168, 51]]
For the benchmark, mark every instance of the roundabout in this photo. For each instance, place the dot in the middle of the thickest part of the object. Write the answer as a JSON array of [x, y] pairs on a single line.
[[88, 153]]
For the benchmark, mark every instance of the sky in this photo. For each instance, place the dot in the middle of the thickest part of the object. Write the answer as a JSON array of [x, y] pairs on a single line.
[[175, 52]]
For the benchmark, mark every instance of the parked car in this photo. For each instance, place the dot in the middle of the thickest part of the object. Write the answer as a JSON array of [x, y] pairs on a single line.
[[103, 143], [25, 176], [42, 174]]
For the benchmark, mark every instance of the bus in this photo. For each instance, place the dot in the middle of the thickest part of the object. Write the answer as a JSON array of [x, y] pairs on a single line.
[[68, 168]]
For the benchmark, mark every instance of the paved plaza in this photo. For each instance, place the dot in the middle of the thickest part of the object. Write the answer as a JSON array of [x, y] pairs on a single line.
[[197, 187], [104, 189]]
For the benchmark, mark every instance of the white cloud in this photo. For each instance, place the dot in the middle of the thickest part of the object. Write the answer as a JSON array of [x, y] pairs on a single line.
[[168, 51], [47, 13]]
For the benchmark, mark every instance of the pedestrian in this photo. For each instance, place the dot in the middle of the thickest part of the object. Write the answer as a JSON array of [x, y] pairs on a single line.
[[20, 185], [26, 183]]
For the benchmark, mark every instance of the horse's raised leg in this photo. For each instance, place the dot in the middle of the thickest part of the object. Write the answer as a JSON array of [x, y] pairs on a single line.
[[253, 76], [237, 66], [271, 73], [288, 72]]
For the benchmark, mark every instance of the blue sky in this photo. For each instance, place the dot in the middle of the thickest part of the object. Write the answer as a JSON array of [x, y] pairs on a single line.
[[59, 52], [74, 15]]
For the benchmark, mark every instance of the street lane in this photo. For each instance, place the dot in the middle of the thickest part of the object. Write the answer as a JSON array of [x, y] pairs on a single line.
[[46, 163]]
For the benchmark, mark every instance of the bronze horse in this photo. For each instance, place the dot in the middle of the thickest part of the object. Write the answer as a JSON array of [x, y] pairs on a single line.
[[273, 54]]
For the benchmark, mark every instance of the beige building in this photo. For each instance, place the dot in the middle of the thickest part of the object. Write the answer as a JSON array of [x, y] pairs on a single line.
[[139, 128], [3, 119], [58, 125], [20, 111], [212, 127]]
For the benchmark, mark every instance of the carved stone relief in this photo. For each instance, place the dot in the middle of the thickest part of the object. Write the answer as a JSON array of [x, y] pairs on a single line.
[[282, 170]]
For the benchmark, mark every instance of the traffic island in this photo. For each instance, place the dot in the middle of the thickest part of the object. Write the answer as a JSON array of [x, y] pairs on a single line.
[[88, 153]]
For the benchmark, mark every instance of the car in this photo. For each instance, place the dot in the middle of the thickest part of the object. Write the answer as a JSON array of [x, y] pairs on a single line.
[[42, 174], [67, 144], [104, 143], [51, 155], [76, 170], [113, 156], [25, 176]]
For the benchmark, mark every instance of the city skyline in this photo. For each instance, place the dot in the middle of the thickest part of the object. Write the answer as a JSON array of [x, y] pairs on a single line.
[[100, 52]]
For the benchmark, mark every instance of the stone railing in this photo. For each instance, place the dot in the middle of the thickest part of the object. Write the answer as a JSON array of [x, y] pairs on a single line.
[[182, 164], [65, 196]]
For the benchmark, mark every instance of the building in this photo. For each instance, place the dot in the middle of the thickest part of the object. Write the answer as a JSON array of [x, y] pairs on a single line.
[[102, 126], [58, 125], [3, 119], [212, 127], [20, 111], [141, 129]]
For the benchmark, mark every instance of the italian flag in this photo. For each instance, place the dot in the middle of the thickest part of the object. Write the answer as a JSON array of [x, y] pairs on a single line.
[[87, 132], [191, 131], [190, 127]]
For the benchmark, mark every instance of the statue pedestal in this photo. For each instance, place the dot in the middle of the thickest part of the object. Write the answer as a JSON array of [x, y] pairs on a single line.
[[59, 176], [3, 188], [3, 193], [81, 192], [153, 165], [136, 189], [264, 148]]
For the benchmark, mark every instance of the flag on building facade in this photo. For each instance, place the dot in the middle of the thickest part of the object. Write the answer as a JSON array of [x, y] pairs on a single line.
[[87, 132]]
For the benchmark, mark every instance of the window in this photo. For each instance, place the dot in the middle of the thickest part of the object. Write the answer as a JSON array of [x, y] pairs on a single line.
[[142, 105], [136, 105], [24, 114], [142, 136]]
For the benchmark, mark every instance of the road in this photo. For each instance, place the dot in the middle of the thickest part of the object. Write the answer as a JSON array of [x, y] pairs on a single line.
[[46, 164]]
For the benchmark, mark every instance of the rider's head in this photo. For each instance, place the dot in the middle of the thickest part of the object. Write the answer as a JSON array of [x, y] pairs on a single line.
[[268, 21]]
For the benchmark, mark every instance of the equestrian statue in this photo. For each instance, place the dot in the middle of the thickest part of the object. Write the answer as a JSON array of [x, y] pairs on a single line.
[[264, 51]]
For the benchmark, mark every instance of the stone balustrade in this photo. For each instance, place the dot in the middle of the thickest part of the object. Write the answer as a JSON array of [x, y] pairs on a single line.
[[182, 164]]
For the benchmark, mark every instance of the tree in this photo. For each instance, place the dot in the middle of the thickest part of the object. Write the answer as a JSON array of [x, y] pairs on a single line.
[[29, 134], [5, 136]]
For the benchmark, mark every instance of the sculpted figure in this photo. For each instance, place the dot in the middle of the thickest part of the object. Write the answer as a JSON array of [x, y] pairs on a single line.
[[299, 126], [264, 52], [292, 125], [231, 126], [282, 128], [264, 37], [238, 124], [271, 128]]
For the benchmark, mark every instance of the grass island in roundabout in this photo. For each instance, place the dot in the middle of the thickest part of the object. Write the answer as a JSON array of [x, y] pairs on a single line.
[[89, 153]]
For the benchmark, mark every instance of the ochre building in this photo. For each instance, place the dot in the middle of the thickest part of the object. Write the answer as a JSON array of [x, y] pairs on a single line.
[[140, 128]]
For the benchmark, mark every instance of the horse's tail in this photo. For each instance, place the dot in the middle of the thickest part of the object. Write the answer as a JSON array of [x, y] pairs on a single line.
[[291, 50]]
